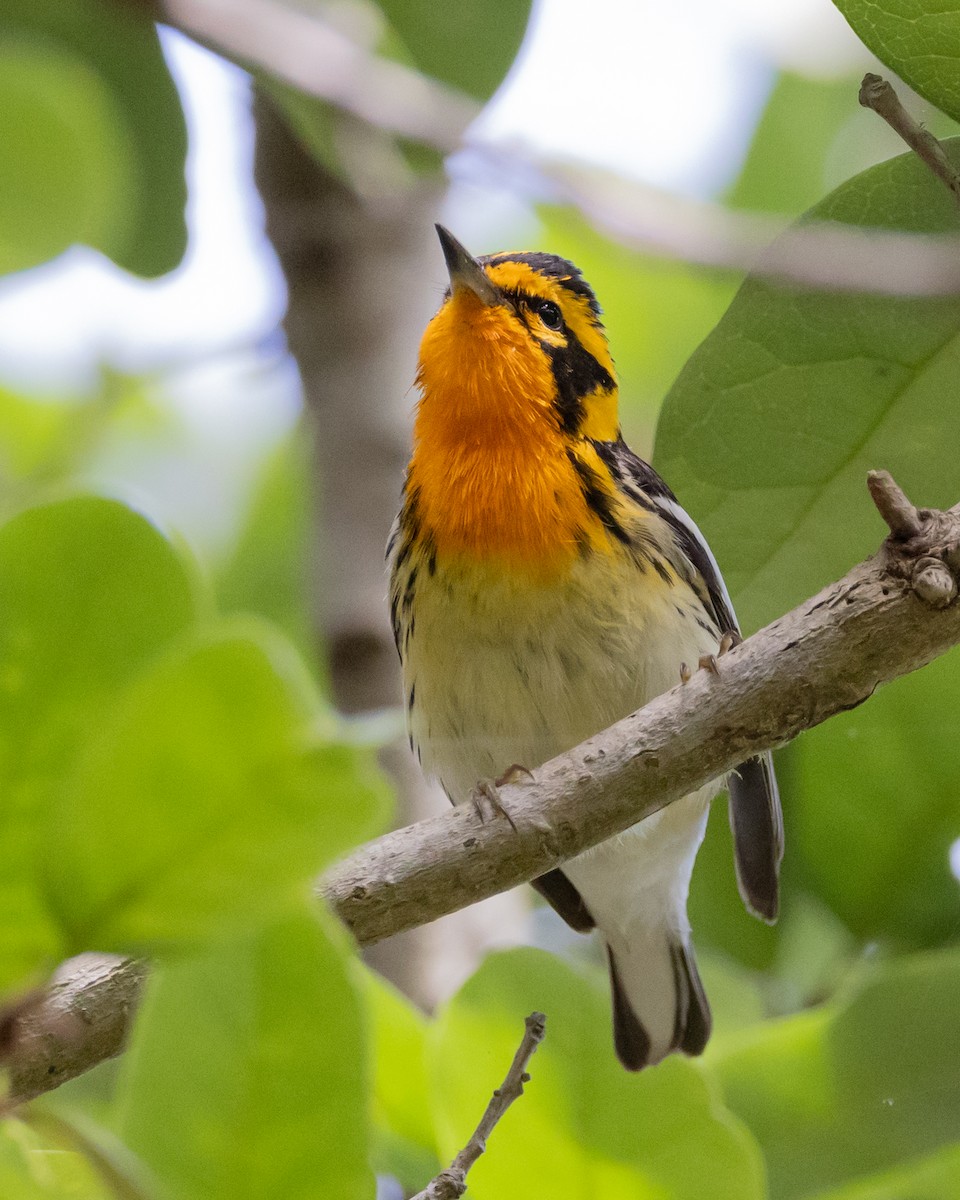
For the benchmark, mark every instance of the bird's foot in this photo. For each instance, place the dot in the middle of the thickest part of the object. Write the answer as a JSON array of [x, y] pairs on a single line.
[[730, 639], [486, 796], [708, 662]]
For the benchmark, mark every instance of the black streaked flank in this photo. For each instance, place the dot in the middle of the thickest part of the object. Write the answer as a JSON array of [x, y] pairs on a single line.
[[661, 570], [645, 487], [599, 500]]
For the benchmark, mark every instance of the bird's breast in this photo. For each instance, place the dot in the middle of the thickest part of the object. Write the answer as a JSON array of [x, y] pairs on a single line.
[[501, 669]]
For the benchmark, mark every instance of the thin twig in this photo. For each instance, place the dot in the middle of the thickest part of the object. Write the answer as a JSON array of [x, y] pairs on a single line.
[[878, 94], [893, 505], [452, 1182]]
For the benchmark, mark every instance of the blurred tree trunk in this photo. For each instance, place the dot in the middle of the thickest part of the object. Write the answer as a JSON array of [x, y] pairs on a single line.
[[362, 278]]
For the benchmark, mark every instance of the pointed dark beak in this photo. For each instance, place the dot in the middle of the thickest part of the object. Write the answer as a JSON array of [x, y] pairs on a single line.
[[465, 271]]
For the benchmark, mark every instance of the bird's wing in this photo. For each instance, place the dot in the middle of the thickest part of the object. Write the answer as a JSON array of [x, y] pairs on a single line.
[[755, 815]]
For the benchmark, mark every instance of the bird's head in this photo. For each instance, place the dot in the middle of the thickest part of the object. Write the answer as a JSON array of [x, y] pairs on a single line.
[[517, 345]]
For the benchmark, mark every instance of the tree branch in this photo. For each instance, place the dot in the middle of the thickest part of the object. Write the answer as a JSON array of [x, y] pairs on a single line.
[[887, 617], [452, 1182]]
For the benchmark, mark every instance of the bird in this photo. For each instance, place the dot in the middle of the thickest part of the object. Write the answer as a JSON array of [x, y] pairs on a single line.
[[544, 583]]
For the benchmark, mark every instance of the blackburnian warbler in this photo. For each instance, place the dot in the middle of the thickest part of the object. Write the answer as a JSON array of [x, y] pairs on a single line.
[[544, 583]]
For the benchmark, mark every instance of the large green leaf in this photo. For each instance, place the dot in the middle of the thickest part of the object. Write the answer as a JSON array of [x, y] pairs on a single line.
[[884, 780], [94, 133], [470, 46], [769, 431], [584, 1126], [767, 437], [247, 1075], [918, 39], [204, 800], [846, 1092], [89, 592]]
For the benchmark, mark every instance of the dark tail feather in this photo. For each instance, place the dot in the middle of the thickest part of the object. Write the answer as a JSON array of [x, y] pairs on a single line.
[[757, 825], [634, 1044], [630, 1040]]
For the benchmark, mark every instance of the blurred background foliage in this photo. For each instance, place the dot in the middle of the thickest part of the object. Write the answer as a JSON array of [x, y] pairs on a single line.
[[194, 637]]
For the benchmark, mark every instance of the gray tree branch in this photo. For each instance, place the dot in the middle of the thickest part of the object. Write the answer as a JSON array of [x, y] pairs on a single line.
[[888, 616]]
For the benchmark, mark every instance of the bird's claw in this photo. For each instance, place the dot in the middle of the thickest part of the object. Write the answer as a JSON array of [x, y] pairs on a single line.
[[730, 639], [486, 797], [685, 673], [708, 662]]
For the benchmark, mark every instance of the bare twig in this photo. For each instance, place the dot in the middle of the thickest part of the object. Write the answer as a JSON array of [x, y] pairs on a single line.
[[452, 1182], [881, 620], [893, 505], [878, 94]]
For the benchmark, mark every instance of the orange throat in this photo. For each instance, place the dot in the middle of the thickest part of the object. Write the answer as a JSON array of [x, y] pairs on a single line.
[[490, 479]]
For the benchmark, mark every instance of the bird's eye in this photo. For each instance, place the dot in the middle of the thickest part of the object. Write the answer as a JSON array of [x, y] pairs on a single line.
[[550, 314]]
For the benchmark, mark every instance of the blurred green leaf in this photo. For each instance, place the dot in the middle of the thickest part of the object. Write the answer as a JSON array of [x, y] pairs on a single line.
[[597, 1130], [32, 1167], [769, 431], [95, 137], [884, 781], [267, 571], [786, 165], [933, 1177], [469, 46], [918, 39], [34, 434], [89, 591], [850, 1090], [247, 1074], [404, 1140], [66, 164], [204, 799]]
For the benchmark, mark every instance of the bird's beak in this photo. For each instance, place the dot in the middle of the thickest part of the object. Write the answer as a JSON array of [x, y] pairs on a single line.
[[465, 272]]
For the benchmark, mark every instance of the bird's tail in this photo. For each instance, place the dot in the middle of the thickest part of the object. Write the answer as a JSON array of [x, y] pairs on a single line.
[[659, 1003]]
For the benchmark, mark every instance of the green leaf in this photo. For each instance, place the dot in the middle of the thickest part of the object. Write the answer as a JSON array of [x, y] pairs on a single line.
[[786, 165], [95, 134], [846, 1092], [884, 779], [34, 1167], [266, 572], [66, 161], [470, 46], [597, 1130], [205, 799], [247, 1073], [404, 1139], [89, 592], [933, 1177], [769, 431], [918, 39]]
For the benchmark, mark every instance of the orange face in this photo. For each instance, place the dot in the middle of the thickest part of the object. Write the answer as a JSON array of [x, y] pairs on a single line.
[[513, 384]]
